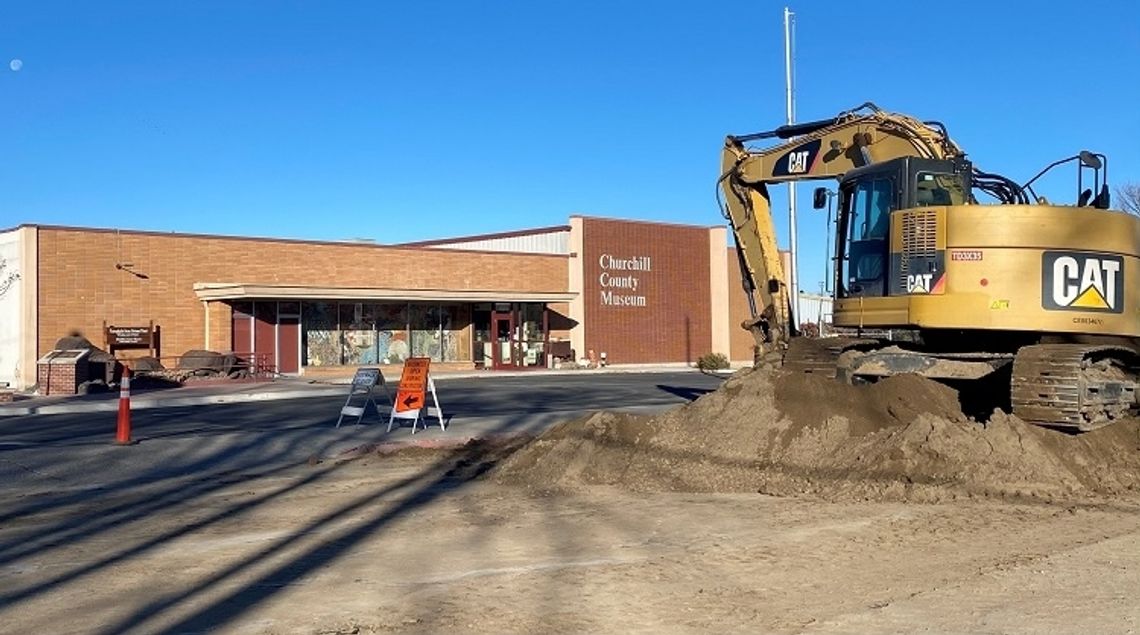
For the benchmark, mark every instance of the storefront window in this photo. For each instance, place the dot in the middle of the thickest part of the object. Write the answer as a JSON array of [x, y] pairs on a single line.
[[424, 322], [532, 335], [321, 334], [449, 351], [481, 322], [439, 332], [358, 333], [392, 333], [364, 333]]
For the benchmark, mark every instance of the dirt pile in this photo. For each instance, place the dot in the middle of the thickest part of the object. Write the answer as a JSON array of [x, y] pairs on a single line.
[[902, 438]]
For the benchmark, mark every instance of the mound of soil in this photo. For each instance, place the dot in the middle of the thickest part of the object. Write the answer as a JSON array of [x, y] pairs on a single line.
[[905, 437]]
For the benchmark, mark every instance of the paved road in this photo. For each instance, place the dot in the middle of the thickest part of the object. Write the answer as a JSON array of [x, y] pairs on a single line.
[[51, 453]]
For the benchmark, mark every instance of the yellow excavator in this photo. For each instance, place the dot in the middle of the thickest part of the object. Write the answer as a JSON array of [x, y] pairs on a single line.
[[929, 280]]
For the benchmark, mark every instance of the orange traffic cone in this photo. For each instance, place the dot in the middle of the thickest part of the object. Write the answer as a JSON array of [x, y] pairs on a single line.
[[123, 432]]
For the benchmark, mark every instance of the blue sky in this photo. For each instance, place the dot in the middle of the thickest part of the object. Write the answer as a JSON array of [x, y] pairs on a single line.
[[407, 121]]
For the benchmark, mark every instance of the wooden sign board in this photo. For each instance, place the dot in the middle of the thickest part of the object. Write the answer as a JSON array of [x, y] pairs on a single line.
[[121, 337], [133, 336]]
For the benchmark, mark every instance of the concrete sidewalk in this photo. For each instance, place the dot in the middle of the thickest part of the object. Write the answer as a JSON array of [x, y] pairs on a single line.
[[280, 388]]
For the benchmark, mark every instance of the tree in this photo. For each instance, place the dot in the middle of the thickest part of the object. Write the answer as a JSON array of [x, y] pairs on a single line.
[[1128, 198]]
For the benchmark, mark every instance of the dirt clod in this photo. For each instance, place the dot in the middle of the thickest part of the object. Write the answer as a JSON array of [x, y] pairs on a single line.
[[903, 438]]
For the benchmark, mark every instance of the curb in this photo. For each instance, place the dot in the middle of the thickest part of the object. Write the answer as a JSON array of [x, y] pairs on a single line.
[[314, 389], [112, 405], [483, 374]]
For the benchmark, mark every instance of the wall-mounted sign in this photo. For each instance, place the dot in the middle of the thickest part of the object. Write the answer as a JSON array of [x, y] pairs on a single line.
[[621, 280]]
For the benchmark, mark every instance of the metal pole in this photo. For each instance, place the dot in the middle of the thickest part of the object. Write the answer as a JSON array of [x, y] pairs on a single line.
[[827, 249], [793, 276]]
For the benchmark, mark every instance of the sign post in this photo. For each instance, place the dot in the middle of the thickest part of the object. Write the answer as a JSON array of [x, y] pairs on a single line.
[[411, 396], [363, 382]]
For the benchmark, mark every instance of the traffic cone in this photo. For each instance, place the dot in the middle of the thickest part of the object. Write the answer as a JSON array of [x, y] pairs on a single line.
[[123, 432]]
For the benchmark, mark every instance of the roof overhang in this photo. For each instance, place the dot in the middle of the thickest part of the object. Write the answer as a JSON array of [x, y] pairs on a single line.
[[243, 291]]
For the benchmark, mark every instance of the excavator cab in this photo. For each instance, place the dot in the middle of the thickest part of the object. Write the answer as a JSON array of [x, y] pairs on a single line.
[[869, 196]]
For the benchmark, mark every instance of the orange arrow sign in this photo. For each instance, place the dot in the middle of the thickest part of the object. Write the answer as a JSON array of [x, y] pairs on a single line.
[[407, 400], [413, 384]]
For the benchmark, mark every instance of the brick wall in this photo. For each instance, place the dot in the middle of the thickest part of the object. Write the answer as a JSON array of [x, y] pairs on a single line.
[[221, 328], [740, 339], [79, 286], [643, 316], [60, 379]]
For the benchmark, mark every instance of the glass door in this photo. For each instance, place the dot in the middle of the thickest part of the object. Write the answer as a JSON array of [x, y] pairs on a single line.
[[483, 353], [503, 328], [868, 207]]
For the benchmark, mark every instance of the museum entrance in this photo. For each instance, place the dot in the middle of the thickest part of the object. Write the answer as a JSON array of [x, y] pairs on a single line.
[[511, 335]]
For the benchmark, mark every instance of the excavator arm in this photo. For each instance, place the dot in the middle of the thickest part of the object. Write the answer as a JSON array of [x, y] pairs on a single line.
[[815, 150]]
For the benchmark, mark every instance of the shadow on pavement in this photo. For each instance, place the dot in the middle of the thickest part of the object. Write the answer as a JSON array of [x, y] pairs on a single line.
[[56, 520], [77, 516], [685, 392]]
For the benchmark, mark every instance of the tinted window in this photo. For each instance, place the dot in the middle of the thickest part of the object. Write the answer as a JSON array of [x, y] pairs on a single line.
[[938, 189], [870, 212]]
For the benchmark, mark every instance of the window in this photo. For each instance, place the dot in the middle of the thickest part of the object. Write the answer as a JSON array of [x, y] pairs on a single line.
[[533, 334], [938, 189], [358, 333], [321, 335], [392, 333], [869, 206], [436, 331], [870, 211]]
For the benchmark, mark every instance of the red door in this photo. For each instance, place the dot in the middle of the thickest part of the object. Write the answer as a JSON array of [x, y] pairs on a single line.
[[242, 332], [289, 344], [265, 334]]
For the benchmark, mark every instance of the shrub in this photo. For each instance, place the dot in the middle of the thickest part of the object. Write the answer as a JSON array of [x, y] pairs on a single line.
[[712, 361]]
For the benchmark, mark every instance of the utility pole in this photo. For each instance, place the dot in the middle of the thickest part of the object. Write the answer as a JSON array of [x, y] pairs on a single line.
[[793, 275]]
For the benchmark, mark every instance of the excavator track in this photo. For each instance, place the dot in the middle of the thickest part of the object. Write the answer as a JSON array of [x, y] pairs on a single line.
[[819, 355], [1074, 386]]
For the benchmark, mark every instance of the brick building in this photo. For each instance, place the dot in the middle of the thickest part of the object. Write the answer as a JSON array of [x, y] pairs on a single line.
[[640, 292]]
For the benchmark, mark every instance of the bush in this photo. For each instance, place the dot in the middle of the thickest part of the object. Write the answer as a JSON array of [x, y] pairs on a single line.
[[712, 361]]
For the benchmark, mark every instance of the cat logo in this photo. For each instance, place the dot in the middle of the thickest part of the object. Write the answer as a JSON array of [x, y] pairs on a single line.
[[923, 283], [798, 162], [918, 283], [1080, 281]]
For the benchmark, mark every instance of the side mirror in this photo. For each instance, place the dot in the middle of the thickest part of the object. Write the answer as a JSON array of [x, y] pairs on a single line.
[[819, 198]]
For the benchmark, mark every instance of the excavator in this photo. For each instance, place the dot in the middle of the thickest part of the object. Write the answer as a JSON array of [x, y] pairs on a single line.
[[928, 279]]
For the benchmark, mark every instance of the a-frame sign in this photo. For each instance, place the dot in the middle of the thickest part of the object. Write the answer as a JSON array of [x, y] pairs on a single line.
[[411, 396], [363, 383]]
